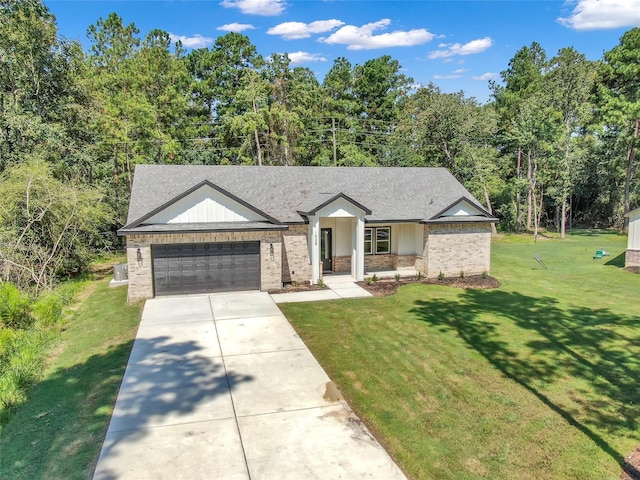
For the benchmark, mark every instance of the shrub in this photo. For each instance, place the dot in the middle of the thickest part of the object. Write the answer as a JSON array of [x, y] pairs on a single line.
[[22, 357], [418, 275], [374, 278], [398, 277], [461, 273], [485, 274], [441, 276], [368, 280], [15, 307]]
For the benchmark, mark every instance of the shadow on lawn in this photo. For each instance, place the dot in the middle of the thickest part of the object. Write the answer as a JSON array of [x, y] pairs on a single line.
[[583, 343], [68, 414]]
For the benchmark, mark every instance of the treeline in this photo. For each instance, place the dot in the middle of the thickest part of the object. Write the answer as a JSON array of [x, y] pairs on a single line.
[[554, 148]]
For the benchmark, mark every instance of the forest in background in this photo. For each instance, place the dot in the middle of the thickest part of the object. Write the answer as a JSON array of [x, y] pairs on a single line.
[[555, 148]]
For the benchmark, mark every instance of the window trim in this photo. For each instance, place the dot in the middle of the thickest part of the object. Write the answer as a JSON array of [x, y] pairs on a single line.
[[372, 244]]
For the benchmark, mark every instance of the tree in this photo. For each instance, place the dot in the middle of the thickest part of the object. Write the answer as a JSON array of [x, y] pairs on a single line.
[[516, 103], [46, 226], [618, 99], [570, 81]]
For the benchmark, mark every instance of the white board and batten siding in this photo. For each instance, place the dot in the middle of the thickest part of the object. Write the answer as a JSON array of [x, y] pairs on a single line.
[[462, 209], [634, 230], [205, 205]]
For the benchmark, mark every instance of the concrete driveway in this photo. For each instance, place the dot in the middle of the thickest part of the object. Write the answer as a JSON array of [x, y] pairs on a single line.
[[221, 387]]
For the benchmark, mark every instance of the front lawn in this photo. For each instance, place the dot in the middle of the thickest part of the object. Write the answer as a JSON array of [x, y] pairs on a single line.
[[58, 432], [539, 378]]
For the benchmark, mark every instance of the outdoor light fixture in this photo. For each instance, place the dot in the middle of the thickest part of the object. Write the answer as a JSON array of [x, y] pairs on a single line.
[[271, 251], [139, 257]]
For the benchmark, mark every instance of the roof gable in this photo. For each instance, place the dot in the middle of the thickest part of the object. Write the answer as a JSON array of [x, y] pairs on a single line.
[[462, 209], [203, 203], [339, 205]]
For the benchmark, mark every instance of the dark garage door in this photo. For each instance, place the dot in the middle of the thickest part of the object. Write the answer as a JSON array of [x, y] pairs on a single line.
[[206, 267]]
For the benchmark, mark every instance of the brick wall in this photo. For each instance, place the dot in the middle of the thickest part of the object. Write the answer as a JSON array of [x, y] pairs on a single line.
[[342, 264], [296, 265], [632, 258], [379, 262], [456, 248], [141, 273]]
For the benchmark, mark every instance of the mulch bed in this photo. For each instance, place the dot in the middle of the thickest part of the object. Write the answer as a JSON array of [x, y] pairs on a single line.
[[385, 287], [633, 269], [298, 287], [631, 467]]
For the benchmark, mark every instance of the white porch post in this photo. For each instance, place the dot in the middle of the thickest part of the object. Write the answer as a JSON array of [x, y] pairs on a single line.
[[357, 264], [314, 241]]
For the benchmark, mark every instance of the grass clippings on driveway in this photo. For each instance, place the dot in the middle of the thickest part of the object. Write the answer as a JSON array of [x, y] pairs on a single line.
[[539, 378]]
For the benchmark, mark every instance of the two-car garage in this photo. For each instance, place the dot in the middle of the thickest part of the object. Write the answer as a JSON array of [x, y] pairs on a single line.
[[205, 267]]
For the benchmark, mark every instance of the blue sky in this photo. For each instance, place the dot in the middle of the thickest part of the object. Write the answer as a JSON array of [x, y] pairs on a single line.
[[458, 45]]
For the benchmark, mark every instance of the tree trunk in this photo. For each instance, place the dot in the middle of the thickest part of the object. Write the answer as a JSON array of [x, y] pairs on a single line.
[[530, 188], [518, 199], [630, 167], [494, 231]]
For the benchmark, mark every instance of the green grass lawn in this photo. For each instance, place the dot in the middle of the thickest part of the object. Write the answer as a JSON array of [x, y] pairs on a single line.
[[58, 432], [538, 379]]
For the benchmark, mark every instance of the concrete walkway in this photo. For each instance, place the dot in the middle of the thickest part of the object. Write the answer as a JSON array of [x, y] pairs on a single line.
[[340, 286], [221, 387]]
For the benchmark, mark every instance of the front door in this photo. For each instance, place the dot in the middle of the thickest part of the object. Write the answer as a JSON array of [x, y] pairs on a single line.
[[326, 250]]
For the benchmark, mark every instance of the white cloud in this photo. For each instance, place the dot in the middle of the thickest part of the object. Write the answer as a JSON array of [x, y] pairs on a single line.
[[305, 57], [486, 77], [236, 27], [460, 70], [197, 41], [297, 30], [470, 48], [603, 14], [447, 77], [363, 38], [267, 8]]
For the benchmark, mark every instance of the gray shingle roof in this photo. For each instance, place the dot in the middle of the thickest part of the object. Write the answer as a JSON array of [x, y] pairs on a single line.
[[391, 193]]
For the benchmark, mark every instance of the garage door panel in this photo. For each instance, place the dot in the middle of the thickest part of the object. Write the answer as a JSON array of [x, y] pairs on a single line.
[[210, 267]]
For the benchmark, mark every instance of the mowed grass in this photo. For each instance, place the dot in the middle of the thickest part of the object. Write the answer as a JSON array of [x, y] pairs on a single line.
[[58, 432], [539, 379]]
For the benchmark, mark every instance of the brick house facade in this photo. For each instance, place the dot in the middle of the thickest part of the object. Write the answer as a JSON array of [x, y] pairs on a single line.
[[199, 229]]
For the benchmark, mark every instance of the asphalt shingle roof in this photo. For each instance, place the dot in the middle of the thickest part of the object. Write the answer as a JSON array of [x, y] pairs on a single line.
[[391, 193]]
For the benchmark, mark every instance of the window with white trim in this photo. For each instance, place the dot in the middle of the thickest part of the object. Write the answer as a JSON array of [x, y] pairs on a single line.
[[377, 240]]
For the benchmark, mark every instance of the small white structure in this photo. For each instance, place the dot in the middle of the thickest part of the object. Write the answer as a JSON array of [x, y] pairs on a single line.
[[633, 245]]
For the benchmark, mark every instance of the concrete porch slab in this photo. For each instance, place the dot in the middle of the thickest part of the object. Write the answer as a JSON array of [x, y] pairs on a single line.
[[311, 296], [317, 443], [353, 291], [177, 452]]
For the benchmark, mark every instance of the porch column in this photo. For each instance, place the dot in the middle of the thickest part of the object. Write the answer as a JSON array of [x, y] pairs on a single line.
[[314, 242], [357, 264]]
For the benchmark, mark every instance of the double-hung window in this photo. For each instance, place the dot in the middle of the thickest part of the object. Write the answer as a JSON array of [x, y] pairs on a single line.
[[377, 240]]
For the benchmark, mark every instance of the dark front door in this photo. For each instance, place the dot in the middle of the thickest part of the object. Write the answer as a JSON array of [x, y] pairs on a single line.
[[326, 250]]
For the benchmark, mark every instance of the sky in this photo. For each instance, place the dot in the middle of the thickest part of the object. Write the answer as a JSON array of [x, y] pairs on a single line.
[[457, 45]]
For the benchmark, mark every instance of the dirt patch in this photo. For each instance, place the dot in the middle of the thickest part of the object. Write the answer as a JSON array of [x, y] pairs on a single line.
[[633, 269], [382, 288], [331, 393], [298, 287], [631, 466]]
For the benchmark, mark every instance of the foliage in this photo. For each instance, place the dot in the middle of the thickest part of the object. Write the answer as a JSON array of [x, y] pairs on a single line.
[[46, 226], [15, 308], [47, 438]]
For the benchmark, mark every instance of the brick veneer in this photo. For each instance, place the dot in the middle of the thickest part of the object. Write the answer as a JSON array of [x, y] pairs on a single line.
[[141, 273], [455, 248], [632, 258], [296, 265], [342, 264]]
